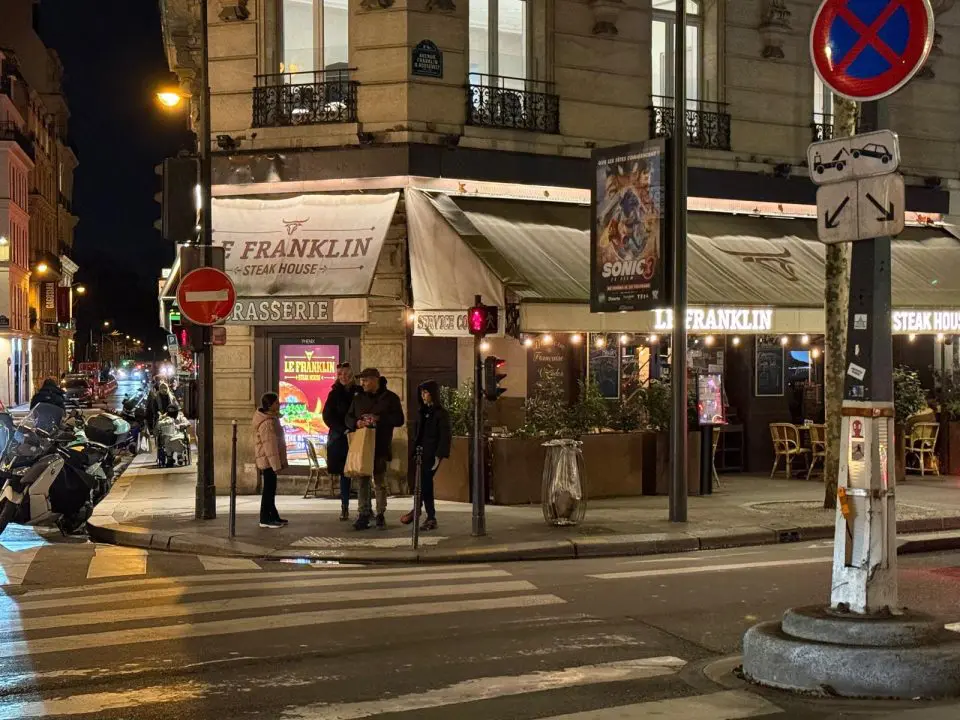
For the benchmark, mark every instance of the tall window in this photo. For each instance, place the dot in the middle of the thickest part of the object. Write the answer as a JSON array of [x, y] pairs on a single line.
[[313, 35], [822, 98], [664, 36], [500, 39]]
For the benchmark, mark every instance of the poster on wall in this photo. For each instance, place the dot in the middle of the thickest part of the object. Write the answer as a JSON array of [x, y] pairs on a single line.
[[306, 374], [629, 234], [710, 404], [769, 368], [312, 245]]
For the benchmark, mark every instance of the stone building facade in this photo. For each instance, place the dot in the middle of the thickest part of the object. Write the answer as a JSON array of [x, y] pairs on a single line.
[[507, 99]]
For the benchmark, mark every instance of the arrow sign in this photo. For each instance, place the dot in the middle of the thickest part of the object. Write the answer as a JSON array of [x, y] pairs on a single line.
[[831, 221], [886, 215]]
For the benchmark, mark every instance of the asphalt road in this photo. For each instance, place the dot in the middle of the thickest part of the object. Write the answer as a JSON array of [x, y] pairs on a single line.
[[92, 631]]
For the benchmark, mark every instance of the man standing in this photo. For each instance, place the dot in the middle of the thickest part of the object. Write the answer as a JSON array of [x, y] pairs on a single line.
[[335, 411], [380, 409]]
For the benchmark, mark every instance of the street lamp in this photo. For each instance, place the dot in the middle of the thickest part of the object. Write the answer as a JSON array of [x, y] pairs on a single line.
[[171, 98], [42, 267], [106, 323], [80, 289]]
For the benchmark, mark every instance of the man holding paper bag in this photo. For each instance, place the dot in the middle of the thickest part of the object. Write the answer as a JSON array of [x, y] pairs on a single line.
[[373, 415]]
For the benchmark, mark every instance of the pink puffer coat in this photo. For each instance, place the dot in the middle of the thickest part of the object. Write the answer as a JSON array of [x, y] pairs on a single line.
[[271, 448]]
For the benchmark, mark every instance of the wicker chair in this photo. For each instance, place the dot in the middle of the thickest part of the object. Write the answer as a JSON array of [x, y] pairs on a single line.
[[786, 445], [818, 448], [921, 443]]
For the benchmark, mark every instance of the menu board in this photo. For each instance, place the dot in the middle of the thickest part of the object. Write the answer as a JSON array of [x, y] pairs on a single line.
[[306, 374], [557, 355], [710, 399], [604, 366], [769, 368]]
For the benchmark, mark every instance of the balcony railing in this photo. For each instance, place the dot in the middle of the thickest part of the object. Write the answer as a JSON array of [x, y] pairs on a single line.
[[512, 103], [822, 127], [708, 124], [9, 130], [308, 98]]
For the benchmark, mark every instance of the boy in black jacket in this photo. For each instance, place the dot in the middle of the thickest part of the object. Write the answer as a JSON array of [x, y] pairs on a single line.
[[432, 438]]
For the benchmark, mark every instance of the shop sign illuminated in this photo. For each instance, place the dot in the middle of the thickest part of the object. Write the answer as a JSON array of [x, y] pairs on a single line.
[[926, 321], [444, 323], [745, 320], [298, 311]]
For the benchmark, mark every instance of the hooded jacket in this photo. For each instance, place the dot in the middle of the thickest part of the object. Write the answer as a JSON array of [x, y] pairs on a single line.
[[432, 432], [335, 411], [269, 444], [385, 404], [49, 393]]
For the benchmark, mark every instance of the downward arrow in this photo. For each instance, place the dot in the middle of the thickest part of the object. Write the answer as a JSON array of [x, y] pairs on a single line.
[[885, 214], [831, 222]]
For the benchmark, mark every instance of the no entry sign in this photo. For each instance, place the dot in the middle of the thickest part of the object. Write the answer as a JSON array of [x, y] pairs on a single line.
[[206, 296], [868, 49]]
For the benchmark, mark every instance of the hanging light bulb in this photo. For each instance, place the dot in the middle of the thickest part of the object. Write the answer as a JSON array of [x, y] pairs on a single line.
[[708, 340], [939, 337], [784, 340], [576, 338], [484, 346], [815, 353], [547, 339], [805, 340], [601, 341], [411, 317], [911, 337], [528, 342], [736, 341], [653, 339], [624, 339]]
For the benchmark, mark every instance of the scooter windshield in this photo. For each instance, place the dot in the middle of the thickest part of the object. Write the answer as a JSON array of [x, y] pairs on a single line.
[[7, 429], [44, 417]]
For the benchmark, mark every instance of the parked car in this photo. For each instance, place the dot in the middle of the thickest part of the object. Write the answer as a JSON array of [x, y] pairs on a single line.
[[79, 390]]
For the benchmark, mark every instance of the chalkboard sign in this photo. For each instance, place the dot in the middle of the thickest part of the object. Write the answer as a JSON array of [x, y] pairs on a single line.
[[769, 369], [556, 355], [427, 60], [604, 366]]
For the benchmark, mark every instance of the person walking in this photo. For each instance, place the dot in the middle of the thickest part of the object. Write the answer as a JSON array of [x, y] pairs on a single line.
[[432, 441], [335, 411], [380, 409], [271, 456]]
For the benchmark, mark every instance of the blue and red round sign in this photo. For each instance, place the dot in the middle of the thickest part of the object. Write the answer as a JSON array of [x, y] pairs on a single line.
[[868, 49]]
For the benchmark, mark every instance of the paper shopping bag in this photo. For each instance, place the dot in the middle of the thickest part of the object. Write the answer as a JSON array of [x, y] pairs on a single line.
[[360, 454]]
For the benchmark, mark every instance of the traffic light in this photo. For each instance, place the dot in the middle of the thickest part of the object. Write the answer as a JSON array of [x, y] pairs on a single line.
[[483, 320], [492, 377], [178, 199]]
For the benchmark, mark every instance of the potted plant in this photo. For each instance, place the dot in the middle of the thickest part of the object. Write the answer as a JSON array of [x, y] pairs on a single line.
[[909, 398], [656, 449]]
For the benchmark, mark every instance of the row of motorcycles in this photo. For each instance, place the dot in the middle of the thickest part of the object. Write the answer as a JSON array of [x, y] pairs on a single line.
[[56, 465]]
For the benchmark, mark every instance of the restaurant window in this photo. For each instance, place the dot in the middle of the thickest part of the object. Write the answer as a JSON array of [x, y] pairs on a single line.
[[500, 39], [663, 42], [313, 35]]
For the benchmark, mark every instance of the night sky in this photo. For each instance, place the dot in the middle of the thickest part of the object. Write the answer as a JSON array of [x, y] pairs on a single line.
[[114, 60]]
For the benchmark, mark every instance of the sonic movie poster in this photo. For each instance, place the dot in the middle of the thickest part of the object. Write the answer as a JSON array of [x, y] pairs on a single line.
[[629, 228], [307, 372]]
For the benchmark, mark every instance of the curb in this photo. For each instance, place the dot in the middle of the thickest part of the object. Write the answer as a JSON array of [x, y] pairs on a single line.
[[932, 535]]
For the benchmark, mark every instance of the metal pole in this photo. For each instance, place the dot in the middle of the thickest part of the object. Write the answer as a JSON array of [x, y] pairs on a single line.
[[233, 481], [479, 486], [678, 368], [206, 505], [417, 490]]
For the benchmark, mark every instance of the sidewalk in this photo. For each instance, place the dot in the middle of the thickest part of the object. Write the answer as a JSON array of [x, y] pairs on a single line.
[[154, 508]]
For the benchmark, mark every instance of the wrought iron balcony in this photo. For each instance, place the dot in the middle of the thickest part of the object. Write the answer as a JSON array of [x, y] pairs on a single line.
[[708, 124], [308, 98], [9, 130], [822, 127], [512, 103]]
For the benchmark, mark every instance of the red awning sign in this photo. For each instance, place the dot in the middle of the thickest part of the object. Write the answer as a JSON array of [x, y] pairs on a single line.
[[206, 296]]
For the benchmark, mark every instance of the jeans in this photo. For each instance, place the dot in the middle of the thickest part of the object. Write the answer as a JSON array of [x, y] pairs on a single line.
[[379, 482], [268, 500], [426, 487], [344, 492]]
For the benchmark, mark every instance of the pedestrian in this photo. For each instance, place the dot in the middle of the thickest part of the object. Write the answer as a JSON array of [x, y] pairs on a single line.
[[50, 393], [380, 409], [271, 456], [335, 411], [432, 441]]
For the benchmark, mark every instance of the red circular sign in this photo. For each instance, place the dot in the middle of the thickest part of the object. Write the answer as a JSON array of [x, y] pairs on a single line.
[[206, 296], [868, 49]]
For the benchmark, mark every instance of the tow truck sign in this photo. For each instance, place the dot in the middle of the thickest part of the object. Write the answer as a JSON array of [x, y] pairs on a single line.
[[851, 158]]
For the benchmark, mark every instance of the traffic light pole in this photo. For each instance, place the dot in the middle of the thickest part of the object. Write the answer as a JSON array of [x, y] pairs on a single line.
[[479, 486], [206, 501]]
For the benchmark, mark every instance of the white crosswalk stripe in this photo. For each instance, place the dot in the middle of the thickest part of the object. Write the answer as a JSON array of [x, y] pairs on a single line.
[[114, 561]]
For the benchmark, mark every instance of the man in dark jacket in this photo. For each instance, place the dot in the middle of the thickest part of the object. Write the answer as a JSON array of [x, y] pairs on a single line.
[[49, 393], [335, 411], [432, 441], [380, 409]]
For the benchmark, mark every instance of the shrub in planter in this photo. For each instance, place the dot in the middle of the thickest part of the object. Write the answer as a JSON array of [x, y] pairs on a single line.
[[629, 414], [909, 398], [545, 412], [590, 414], [459, 405]]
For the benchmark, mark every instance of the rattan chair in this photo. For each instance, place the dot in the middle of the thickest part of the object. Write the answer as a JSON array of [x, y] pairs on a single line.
[[818, 447], [786, 445], [921, 443]]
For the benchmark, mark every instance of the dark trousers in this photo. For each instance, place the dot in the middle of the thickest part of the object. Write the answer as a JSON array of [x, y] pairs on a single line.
[[268, 499], [344, 491], [426, 487]]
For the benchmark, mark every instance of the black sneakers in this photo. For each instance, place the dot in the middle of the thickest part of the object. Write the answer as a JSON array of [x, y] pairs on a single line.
[[362, 523], [381, 522], [429, 524], [344, 515]]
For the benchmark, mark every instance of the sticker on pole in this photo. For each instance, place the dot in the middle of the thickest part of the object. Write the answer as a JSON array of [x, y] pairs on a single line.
[[206, 296], [868, 49]]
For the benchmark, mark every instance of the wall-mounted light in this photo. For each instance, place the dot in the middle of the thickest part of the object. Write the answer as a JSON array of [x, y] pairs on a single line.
[[601, 341], [805, 340], [576, 338], [736, 341], [939, 337], [653, 339], [911, 337], [708, 341], [546, 339], [411, 317], [484, 346], [42, 267], [80, 289], [784, 341], [815, 353], [624, 339], [3, 240], [528, 342]]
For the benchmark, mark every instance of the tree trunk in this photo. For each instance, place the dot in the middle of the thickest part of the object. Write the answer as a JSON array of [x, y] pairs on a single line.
[[836, 301]]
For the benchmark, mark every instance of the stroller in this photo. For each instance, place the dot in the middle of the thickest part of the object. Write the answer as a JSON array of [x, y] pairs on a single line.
[[173, 442]]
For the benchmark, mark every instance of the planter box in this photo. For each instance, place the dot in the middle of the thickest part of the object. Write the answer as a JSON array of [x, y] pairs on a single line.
[[516, 470], [950, 450], [900, 459], [452, 481], [614, 464], [657, 465]]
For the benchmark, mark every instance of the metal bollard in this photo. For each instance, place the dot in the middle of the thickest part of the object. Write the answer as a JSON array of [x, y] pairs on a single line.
[[233, 482], [417, 489]]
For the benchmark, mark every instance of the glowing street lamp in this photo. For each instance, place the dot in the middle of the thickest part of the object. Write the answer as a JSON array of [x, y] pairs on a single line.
[[171, 98], [80, 289]]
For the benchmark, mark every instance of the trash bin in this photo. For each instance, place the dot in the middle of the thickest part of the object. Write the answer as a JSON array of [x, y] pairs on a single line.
[[564, 493]]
